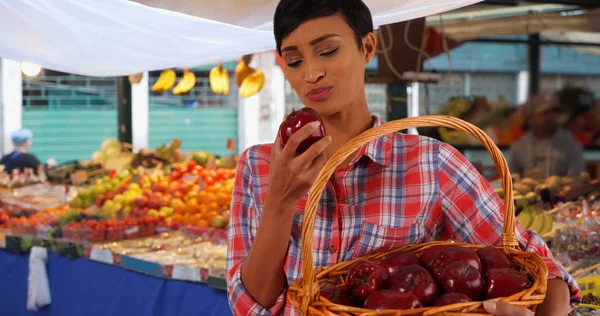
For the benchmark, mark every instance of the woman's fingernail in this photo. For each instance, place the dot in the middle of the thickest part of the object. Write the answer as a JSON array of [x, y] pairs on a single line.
[[315, 125], [490, 306], [329, 138]]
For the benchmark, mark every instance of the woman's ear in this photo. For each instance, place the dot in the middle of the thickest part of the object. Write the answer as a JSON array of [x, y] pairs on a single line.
[[369, 46]]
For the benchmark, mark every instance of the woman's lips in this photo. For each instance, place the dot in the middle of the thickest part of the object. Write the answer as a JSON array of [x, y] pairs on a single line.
[[319, 94]]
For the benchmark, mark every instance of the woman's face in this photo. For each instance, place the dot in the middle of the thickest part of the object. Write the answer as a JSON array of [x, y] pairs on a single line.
[[324, 65]]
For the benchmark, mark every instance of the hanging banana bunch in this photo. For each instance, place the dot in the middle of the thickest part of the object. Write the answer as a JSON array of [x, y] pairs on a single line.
[[136, 78], [250, 80], [252, 84], [165, 81], [242, 70], [187, 82], [218, 79]]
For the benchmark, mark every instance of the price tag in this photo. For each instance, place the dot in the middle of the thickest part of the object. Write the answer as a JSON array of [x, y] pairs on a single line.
[[188, 177], [132, 230], [186, 273], [102, 255]]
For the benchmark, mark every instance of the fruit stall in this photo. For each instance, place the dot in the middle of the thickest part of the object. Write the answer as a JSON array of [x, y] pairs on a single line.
[[148, 230]]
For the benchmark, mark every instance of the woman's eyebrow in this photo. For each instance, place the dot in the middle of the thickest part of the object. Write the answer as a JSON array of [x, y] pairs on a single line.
[[312, 43]]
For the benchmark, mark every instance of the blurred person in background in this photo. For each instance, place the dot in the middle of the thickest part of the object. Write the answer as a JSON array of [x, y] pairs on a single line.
[[20, 158], [546, 148]]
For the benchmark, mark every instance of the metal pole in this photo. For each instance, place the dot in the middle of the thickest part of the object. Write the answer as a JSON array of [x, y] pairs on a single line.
[[534, 63], [124, 117]]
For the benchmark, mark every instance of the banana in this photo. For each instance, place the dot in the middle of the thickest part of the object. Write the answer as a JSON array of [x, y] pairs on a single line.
[[242, 70], [135, 79], [187, 82], [219, 80], [225, 82], [214, 79], [252, 84], [165, 81]]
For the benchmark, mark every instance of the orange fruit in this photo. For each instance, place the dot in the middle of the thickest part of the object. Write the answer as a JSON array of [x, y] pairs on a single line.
[[192, 205], [177, 218], [202, 223], [211, 214]]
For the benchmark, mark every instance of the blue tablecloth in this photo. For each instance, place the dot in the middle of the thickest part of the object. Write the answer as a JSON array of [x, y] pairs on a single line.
[[83, 287]]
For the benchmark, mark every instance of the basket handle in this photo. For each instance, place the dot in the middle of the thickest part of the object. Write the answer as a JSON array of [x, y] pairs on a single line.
[[509, 241]]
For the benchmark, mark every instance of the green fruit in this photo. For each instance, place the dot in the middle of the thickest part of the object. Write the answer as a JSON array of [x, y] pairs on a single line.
[[76, 203], [525, 218], [108, 187], [521, 201], [537, 224], [84, 193], [500, 193]]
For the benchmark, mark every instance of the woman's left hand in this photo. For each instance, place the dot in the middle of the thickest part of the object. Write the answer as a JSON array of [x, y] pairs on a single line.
[[506, 309]]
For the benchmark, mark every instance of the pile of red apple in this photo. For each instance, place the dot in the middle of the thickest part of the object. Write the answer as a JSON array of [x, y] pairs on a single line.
[[443, 275], [111, 230]]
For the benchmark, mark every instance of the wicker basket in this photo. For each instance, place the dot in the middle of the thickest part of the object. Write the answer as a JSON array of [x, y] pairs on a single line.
[[303, 293]]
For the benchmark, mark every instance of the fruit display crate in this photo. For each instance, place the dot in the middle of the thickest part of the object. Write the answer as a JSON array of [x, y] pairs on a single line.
[[20, 244]]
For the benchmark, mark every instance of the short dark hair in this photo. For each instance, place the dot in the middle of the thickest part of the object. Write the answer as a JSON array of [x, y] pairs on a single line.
[[292, 13]]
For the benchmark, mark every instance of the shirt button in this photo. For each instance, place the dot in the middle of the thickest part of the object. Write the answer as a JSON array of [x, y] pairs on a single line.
[[332, 249]]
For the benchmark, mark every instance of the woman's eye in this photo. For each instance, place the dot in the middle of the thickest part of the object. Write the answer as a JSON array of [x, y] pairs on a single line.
[[331, 52], [294, 64]]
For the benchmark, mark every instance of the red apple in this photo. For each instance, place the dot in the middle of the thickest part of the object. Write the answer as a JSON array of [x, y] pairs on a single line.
[[463, 278], [451, 298], [179, 195], [100, 199], [295, 121], [388, 299], [492, 258], [504, 282], [399, 260], [454, 254], [364, 278], [141, 201], [417, 281], [159, 187], [430, 255], [338, 296], [154, 203]]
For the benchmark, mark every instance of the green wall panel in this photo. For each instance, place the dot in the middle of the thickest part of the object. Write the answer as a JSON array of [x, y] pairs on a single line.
[[198, 129], [69, 134]]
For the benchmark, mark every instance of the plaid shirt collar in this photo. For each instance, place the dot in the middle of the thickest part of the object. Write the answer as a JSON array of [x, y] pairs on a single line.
[[377, 150]]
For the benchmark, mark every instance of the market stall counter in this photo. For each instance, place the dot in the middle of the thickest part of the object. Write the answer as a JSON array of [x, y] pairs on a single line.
[[85, 287]]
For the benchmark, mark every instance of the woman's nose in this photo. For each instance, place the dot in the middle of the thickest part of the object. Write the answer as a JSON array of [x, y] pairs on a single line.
[[314, 72]]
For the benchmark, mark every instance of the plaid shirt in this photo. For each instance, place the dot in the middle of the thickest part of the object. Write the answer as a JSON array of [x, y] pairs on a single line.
[[400, 189]]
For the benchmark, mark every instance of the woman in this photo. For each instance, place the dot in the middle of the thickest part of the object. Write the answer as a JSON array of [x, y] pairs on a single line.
[[20, 158], [398, 189]]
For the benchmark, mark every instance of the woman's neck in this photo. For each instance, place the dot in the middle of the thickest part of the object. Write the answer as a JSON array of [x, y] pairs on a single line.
[[347, 124], [21, 149]]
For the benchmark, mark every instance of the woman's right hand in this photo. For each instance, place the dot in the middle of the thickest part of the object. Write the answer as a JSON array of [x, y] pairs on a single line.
[[291, 175]]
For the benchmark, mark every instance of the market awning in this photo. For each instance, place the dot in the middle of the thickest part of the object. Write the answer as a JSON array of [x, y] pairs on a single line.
[[576, 37], [468, 29], [121, 37]]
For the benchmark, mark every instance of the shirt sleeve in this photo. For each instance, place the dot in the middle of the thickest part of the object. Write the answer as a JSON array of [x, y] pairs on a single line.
[[242, 229], [474, 213]]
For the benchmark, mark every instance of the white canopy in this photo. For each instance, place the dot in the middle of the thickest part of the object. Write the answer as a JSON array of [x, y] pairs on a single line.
[[121, 37], [579, 37]]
